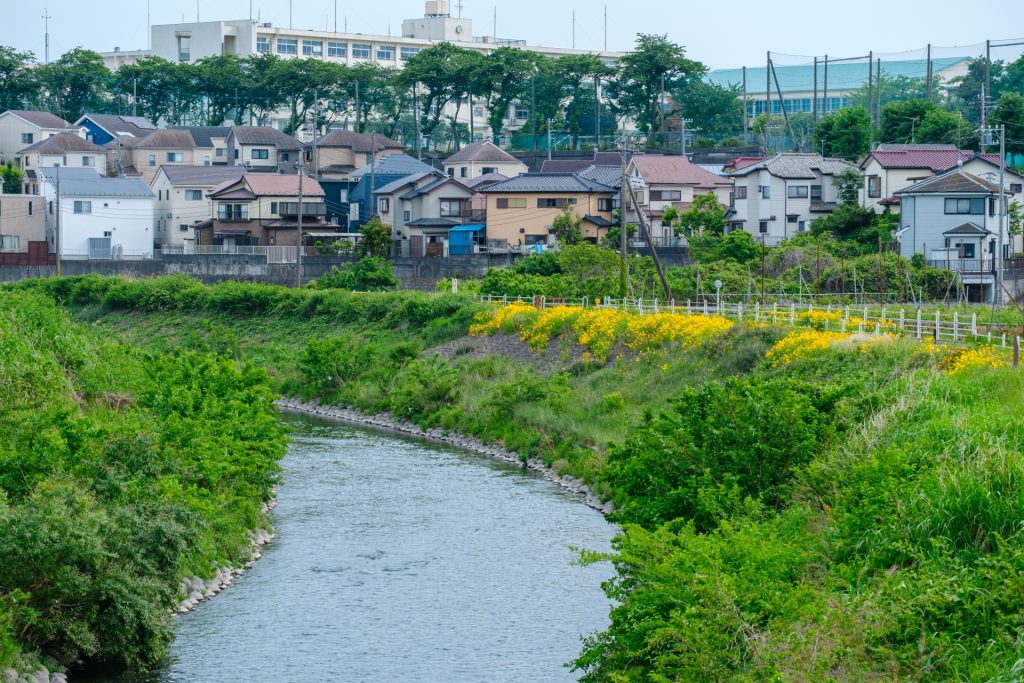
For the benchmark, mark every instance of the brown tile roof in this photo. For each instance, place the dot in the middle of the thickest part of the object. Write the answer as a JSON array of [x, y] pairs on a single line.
[[43, 119], [61, 143], [358, 142], [483, 151], [954, 181], [676, 171], [264, 135], [271, 185], [165, 139]]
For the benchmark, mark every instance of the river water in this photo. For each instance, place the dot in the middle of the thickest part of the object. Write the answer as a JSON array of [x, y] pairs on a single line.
[[399, 560]]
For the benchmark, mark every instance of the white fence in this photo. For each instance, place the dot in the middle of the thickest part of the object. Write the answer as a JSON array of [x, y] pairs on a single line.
[[915, 322], [271, 254]]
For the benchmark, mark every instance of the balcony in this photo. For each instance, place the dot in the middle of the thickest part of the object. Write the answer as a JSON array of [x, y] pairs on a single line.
[[971, 266], [309, 209]]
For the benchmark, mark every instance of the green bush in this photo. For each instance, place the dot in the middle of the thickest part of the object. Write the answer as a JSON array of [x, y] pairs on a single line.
[[365, 275]]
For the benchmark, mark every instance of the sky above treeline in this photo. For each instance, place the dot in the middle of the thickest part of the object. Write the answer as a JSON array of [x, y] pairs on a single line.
[[720, 34]]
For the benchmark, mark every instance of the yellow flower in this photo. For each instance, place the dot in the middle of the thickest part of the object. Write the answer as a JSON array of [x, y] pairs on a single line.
[[801, 344], [493, 321], [964, 359]]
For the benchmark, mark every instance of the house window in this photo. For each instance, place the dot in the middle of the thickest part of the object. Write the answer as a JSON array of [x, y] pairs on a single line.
[[1016, 187], [463, 172], [152, 160], [10, 243], [384, 204], [88, 161], [206, 160], [763, 227], [792, 219], [182, 227], [313, 48], [30, 207], [262, 44], [554, 203], [287, 46], [874, 186], [451, 208], [83, 206], [194, 195], [975, 206], [26, 138], [175, 157], [489, 169], [233, 212], [406, 216], [219, 152], [273, 209], [816, 192], [512, 203], [451, 171], [184, 48], [522, 114], [361, 50], [966, 250], [408, 53], [604, 204], [797, 191], [766, 192], [385, 53], [337, 49], [741, 192], [666, 195], [260, 154]]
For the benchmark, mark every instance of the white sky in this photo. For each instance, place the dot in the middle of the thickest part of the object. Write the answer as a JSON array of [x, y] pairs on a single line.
[[718, 33]]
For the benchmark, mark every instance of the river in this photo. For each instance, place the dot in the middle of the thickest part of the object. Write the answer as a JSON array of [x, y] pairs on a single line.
[[400, 560]]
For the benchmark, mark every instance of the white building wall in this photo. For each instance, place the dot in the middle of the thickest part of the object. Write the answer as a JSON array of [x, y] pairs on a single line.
[[128, 220]]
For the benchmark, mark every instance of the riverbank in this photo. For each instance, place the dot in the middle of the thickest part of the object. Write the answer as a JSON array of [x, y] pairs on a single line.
[[391, 424]]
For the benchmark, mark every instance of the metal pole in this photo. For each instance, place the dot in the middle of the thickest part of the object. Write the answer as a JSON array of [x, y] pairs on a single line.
[[814, 106], [878, 92], [623, 246], [871, 126], [824, 95], [549, 139], [767, 102], [57, 237], [929, 71], [597, 109], [298, 232], [1002, 210], [46, 29], [745, 115]]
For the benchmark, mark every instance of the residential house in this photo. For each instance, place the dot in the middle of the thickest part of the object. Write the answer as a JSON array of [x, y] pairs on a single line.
[[888, 169], [777, 198], [97, 217], [143, 157], [263, 149], [262, 209], [478, 204], [421, 209], [952, 218], [355, 203], [342, 151], [104, 128], [482, 158], [63, 149], [521, 210], [23, 231], [660, 182], [210, 140], [181, 201], [20, 128]]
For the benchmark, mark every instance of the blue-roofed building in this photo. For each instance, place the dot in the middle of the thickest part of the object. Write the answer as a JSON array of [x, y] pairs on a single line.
[[796, 82], [350, 198]]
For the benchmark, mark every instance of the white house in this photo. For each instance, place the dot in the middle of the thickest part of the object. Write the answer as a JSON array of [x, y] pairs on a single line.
[[483, 158], [262, 148], [778, 197], [20, 128], [96, 217], [660, 182], [421, 209], [953, 220], [181, 201]]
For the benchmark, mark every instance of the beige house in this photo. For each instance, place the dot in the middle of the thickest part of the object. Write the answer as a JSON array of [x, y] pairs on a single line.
[[482, 158], [660, 182], [142, 158], [182, 201], [23, 230], [521, 210], [340, 152], [66, 150], [422, 209], [262, 209], [262, 148], [20, 128], [210, 141]]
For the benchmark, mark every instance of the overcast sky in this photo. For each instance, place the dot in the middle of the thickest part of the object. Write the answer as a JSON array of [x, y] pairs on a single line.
[[719, 33]]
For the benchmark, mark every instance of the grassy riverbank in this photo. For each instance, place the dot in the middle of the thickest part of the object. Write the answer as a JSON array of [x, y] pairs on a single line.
[[796, 505]]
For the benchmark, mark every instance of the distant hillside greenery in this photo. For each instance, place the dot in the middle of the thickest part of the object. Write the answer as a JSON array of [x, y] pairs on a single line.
[[796, 504]]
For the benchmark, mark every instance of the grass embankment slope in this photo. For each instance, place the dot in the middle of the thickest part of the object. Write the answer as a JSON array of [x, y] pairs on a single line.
[[795, 505], [121, 471]]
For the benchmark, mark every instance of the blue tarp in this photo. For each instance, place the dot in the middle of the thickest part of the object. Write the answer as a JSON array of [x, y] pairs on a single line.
[[461, 239]]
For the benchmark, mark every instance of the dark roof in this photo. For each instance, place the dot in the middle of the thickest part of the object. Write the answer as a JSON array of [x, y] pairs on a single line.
[[968, 229], [136, 126], [358, 142], [202, 176], [204, 135], [484, 180], [676, 171], [433, 223], [606, 175], [953, 181], [818, 206], [393, 164], [933, 157], [599, 221], [565, 165], [61, 143], [85, 182], [483, 151], [549, 183], [426, 189], [797, 165], [264, 135], [267, 185], [405, 181], [338, 168], [165, 139], [43, 119]]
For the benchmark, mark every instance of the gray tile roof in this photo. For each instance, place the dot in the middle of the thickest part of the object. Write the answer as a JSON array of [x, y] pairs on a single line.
[[797, 165], [396, 185], [394, 164], [968, 229], [264, 135], [204, 135], [549, 183], [85, 182], [483, 151], [202, 176], [43, 119], [606, 175], [953, 181]]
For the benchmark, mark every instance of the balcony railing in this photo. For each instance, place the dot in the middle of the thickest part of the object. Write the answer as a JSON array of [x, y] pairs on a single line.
[[964, 265], [308, 209]]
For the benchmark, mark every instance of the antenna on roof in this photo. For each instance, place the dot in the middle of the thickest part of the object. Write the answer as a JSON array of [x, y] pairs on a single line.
[[46, 28]]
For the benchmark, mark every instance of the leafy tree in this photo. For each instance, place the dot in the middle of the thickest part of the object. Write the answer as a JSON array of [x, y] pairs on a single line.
[[706, 215], [655, 66], [613, 238], [262, 96], [18, 84], [848, 185], [889, 89], [944, 127], [77, 83], [738, 245], [850, 222], [383, 97], [577, 74], [965, 91], [376, 239], [442, 71], [714, 109], [156, 84], [225, 84], [846, 134], [365, 275], [500, 78], [900, 119], [11, 177], [1009, 111], [1015, 218], [591, 267], [566, 226], [300, 81]]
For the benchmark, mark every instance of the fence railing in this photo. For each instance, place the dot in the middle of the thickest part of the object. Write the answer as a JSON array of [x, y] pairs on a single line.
[[915, 322], [271, 254], [113, 254]]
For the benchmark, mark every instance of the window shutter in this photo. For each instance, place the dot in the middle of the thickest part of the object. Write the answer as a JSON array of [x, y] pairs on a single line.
[[503, 203]]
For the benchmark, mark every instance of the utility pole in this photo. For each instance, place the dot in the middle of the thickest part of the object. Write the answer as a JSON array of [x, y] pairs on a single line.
[[767, 101], [373, 174], [597, 113], [929, 71], [290, 14], [57, 236], [46, 29], [623, 244], [984, 118], [606, 27], [550, 121], [871, 99], [682, 135], [135, 96], [824, 94], [298, 232]]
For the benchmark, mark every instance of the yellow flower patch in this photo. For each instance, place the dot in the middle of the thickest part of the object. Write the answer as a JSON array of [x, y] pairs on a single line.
[[495, 320], [551, 322], [801, 344], [962, 360], [646, 333]]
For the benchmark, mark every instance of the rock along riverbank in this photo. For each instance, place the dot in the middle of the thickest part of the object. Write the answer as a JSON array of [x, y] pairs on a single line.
[[390, 423]]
